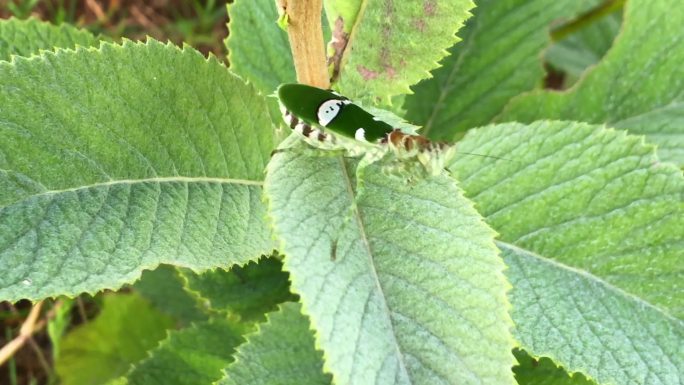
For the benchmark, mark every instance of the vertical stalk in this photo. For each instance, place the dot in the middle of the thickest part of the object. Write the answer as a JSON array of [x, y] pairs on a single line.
[[306, 40]]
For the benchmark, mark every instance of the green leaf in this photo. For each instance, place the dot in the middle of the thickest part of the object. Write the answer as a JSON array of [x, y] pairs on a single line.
[[386, 52], [596, 200], [590, 326], [593, 198], [497, 60], [105, 348], [342, 15], [281, 352], [29, 37], [246, 292], [414, 292], [638, 86], [543, 371], [584, 48], [118, 164], [259, 51], [57, 325], [163, 287], [195, 355]]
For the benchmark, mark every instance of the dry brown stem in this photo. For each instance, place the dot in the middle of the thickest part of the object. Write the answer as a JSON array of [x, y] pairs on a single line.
[[306, 40], [29, 326]]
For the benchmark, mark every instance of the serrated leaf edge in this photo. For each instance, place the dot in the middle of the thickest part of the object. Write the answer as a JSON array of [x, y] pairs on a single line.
[[436, 63], [258, 330], [607, 286]]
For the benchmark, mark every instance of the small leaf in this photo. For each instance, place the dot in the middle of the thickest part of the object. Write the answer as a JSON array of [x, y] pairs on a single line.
[[414, 292], [118, 164], [104, 348], [580, 50], [258, 50], [57, 325], [544, 371], [639, 85], [191, 356], [163, 287], [386, 52], [244, 291], [29, 37], [497, 60], [281, 352]]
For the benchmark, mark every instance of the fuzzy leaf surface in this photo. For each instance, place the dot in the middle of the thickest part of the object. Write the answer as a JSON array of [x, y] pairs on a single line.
[[29, 37], [105, 348], [387, 51], [598, 201], [497, 60], [638, 86], [246, 292], [111, 164], [590, 326], [281, 352], [414, 293], [191, 356]]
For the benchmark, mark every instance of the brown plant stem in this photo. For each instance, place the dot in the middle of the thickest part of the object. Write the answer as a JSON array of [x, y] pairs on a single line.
[[27, 329], [306, 40]]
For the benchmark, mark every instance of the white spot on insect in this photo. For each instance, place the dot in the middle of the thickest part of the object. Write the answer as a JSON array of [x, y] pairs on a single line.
[[377, 119], [288, 119], [328, 110], [283, 110], [360, 134], [345, 101], [299, 128]]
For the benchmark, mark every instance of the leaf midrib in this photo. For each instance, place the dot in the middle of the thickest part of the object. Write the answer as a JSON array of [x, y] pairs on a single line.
[[369, 253], [583, 273], [173, 179]]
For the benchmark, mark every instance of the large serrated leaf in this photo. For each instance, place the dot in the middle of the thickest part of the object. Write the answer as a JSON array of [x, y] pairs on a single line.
[[191, 356], [597, 200], [116, 164], [29, 37], [282, 352], [387, 51], [639, 85], [497, 60], [590, 326], [414, 293], [104, 348]]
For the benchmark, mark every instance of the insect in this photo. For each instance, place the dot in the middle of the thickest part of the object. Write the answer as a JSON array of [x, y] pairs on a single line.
[[327, 120]]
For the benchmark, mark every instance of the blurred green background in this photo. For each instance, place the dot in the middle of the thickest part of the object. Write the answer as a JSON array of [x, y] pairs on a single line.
[[199, 23]]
